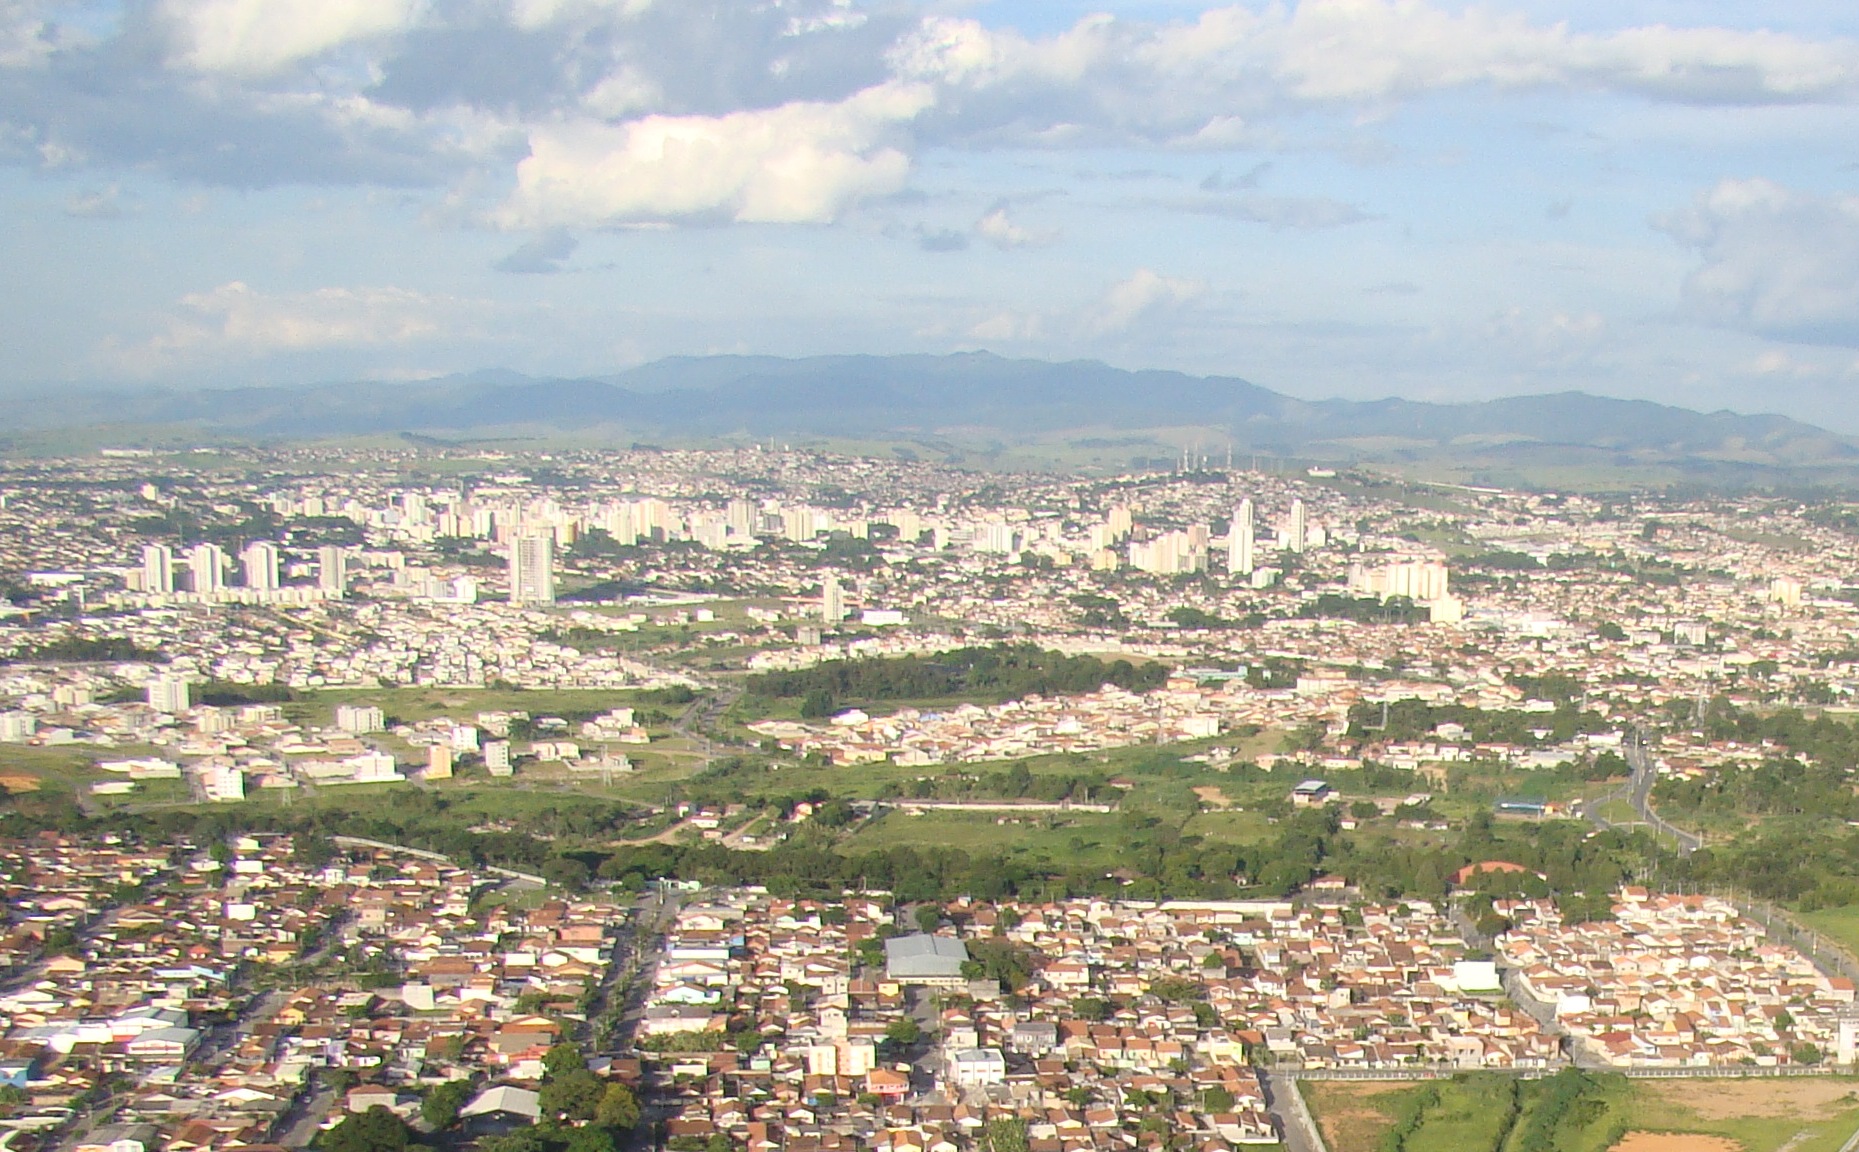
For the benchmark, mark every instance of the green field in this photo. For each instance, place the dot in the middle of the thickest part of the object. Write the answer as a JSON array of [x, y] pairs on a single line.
[[1840, 925], [1480, 1112]]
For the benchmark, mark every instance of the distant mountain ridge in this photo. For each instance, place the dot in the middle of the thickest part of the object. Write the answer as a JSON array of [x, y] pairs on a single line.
[[973, 393]]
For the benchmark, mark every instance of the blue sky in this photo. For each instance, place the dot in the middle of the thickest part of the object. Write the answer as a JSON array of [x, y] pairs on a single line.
[[1362, 198]]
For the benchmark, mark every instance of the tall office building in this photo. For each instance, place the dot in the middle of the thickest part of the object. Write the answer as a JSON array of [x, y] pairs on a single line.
[[260, 560], [157, 568], [332, 570], [1298, 533], [1239, 558], [532, 569], [168, 694], [207, 562], [832, 601]]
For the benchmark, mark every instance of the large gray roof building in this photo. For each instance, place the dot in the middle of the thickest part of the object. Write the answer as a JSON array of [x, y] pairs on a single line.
[[924, 959]]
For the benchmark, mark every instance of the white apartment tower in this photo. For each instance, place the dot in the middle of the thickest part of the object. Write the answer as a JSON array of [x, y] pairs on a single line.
[[532, 569], [332, 569], [1239, 548], [1298, 533], [207, 562], [168, 694], [157, 569], [832, 601], [260, 560]]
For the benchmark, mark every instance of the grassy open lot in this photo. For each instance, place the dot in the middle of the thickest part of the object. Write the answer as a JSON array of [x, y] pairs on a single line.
[[1839, 924], [69, 771], [1475, 1114]]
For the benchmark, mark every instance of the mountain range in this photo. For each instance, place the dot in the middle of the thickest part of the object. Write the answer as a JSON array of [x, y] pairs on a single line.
[[971, 398]]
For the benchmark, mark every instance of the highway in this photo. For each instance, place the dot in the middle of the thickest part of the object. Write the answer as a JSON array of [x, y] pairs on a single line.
[[1638, 792]]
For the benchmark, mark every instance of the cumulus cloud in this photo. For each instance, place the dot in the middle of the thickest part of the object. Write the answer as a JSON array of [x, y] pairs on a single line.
[[998, 229], [1774, 260], [1202, 83], [531, 14], [802, 162], [1146, 300], [542, 255], [26, 36], [239, 321], [1145, 296], [259, 36]]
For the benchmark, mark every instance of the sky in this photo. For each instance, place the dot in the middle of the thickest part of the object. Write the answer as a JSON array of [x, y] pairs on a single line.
[[1331, 198]]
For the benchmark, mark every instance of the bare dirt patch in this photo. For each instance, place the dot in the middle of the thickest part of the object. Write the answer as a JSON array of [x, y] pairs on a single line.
[[1212, 796], [1345, 1117], [1673, 1142], [1807, 1098]]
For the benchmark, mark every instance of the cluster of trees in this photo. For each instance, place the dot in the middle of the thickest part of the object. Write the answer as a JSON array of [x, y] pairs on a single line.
[[1781, 787], [1018, 782], [1416, 719], [1820, 738], [996, 674], [1363, 610], [86, 650]]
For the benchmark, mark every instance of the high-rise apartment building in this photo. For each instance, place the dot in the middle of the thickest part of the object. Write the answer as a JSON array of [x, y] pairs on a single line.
[[1240, 560], [832, 601], [168, 694], [1298, 532], [332, 570], [157, 569], [260, 561], [207, 563], [532, 569]]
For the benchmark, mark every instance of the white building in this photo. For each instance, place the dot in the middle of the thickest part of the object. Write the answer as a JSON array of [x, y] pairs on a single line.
[[976, 1067], [360, 718], [168, 694], [1240, 560], [16, 727], [260, 561], [207, 564], [332, 569], [532, 568], [157, 569]]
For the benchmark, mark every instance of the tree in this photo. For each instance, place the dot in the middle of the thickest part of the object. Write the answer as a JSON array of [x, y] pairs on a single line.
[[592, 1138], [928, 917], [1006, 1135], [440, 1108], [376, 1130], [575, 1096], [903, 1032], [618, 1107], [521, 1140], [562, 1059]]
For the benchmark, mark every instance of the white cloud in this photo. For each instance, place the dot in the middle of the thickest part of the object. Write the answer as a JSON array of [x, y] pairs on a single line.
[[802, 162], [1145, 296], [1203, 83], [532, 14], [239, 321], [1146, 300], [254, 37], [25, 34], [998, 229], [1775, 261]]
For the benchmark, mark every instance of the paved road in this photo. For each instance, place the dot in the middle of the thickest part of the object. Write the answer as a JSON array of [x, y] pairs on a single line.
[[1290, 1118], [1638, 792]]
